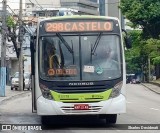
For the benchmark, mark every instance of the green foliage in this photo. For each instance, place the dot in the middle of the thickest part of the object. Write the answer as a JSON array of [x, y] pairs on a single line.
[[136, 36], [130, 24], [144, 13], [156, 60], [10, 22], [137, 56], [153, 48], [133, 55]]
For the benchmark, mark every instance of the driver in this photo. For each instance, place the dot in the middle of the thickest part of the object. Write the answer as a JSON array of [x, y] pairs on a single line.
[[106, 61], [54, 59]]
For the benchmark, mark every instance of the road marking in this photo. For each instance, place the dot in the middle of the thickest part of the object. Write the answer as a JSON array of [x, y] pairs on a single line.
[[154, 109], [128, 102]]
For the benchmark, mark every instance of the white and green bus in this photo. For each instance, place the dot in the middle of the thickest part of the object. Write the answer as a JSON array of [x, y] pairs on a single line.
[[78, 67]]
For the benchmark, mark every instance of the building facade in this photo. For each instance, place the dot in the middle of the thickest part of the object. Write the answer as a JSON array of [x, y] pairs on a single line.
[[83, 6], [110, 8], [90, 7], [11, 59]]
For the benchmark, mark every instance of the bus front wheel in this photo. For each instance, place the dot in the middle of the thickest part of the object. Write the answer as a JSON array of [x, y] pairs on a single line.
[[48, 120], [45, 120], [111, 118]]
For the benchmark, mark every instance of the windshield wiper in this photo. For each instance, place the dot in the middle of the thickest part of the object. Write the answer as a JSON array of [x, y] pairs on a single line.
[[62, 56], [95, 45], [66, 44]]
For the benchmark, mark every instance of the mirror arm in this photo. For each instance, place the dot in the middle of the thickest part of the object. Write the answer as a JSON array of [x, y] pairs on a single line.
[[127, 39]]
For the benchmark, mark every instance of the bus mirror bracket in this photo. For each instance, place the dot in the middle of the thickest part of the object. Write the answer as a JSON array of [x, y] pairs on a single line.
[[127, 40], [33, 43]]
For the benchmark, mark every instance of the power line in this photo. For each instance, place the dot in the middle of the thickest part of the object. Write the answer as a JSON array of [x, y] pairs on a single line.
[[49, 4], [37, 3], [13, 35], [21, 20]]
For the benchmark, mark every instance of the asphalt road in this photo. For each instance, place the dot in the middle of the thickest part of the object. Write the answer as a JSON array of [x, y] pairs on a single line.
[[143, 107]]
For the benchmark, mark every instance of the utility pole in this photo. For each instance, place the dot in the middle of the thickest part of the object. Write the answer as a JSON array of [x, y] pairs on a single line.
[[21, 31], [149, 69], [3, 51]]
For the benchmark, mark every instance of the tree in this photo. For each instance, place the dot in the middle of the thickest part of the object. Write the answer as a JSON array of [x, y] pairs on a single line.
[[137, 57], [10, 22], [132, 55], [145, 14], [153, 48], [11, 25], [11, 32]]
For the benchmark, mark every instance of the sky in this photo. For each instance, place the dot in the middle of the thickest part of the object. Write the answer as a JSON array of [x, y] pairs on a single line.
[[14, 4]]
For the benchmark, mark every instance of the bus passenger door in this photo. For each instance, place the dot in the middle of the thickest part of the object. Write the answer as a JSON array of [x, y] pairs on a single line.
[[32, 49]]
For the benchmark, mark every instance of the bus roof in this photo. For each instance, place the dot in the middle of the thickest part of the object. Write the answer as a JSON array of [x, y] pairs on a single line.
[[78, 17]]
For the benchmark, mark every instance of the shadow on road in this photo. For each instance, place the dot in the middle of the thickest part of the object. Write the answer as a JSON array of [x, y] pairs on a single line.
[[77, 123]]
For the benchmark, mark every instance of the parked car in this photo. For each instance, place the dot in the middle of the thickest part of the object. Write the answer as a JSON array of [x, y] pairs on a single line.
[[15, 81], [129, 78], [133, 81], [138, 81]]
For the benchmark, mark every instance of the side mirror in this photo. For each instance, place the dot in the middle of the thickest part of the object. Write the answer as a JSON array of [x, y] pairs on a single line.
[[33, 44], [128, 42]]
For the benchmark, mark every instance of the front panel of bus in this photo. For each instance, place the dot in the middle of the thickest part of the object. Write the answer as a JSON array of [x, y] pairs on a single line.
[[80, 67]]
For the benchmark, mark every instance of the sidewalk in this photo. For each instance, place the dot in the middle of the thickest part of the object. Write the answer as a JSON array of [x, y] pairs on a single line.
[[152, 87], [11, 94]]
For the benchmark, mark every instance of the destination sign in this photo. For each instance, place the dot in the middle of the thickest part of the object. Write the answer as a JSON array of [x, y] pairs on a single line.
[[78, 26], [60, 72]]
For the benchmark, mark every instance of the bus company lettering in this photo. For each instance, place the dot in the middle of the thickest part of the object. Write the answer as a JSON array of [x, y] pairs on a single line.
[[78, 26]]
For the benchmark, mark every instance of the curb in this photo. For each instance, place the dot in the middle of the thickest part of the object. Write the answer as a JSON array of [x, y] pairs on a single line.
[[14, 96], [151, 89], [154, 83]]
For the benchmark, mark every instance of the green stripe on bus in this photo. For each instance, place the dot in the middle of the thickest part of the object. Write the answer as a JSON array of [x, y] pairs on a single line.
[[81, 97], [77, 17]]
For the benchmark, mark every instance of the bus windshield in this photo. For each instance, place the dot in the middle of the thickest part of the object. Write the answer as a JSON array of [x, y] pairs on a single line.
[[80, 57]]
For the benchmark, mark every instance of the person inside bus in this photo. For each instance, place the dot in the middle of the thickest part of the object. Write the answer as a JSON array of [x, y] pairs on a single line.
[[106, 58], [105, 65], [52, 58], [110, 62]]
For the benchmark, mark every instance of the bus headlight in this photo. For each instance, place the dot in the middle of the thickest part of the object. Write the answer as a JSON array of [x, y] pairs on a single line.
[[46, 92], [116, 90]]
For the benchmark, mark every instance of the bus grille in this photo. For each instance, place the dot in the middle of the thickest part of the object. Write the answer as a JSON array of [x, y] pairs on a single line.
[[70, 109], [81, 89]]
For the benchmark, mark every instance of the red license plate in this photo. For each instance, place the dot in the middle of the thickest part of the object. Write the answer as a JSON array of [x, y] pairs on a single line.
[[81, 107]]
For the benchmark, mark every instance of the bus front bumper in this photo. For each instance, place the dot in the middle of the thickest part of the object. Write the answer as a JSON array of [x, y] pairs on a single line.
[[112, 106]]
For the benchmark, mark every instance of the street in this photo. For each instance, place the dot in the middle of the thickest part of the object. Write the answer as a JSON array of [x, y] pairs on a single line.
[[143, 107]]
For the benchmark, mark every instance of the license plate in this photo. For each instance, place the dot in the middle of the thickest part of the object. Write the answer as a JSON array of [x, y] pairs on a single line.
[[81, 107]]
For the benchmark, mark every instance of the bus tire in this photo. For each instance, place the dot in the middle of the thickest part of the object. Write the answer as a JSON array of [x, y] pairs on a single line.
[[44, 120], [111, 118], [47, 120]]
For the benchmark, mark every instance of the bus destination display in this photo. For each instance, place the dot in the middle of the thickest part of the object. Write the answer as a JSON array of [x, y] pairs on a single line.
[[78, 26]]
